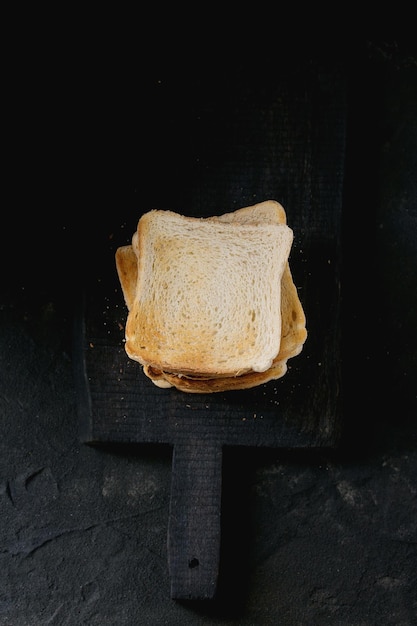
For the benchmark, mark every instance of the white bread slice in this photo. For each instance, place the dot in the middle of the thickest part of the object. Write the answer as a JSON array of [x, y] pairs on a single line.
[[208, 295], [293, 320]]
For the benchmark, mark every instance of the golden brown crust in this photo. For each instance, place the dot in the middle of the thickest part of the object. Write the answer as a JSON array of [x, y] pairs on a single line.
[[127, 269]]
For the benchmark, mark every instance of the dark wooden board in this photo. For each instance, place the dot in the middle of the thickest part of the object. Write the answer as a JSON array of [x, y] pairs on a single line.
[[283, 141]]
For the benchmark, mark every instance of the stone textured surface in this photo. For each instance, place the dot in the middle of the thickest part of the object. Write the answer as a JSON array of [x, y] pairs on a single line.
[[318, 537]]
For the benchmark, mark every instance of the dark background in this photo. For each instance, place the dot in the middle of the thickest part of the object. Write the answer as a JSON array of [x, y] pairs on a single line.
[[318, 537]]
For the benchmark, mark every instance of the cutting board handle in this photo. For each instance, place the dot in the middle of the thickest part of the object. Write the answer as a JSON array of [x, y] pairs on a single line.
[[194, 530]]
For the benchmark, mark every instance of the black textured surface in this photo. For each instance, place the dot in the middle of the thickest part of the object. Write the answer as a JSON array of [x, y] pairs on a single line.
[[308, 537]]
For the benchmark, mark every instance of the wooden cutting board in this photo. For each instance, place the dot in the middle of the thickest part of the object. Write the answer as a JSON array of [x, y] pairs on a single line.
[[282, 139]]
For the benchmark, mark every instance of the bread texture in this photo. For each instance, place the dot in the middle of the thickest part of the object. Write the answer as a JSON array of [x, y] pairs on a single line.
[[212, 304]]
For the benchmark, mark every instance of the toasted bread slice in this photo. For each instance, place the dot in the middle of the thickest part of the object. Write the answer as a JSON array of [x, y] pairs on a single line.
[[208, 295]]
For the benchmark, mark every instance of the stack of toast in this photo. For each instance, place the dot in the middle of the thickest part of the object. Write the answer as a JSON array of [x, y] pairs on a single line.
[[211, 302]]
